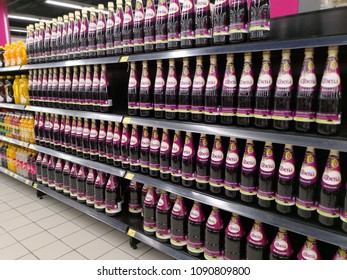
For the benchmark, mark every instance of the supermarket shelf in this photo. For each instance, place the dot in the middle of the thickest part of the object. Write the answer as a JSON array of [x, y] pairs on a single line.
[[16, 176], [290, 137], [291, 223], [75, 113], [12, 106], [10, 69], [14, 141], [85, 162]]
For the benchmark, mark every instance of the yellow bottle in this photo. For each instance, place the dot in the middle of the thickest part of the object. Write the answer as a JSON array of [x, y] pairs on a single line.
[[15, 88], [31, 129], [23, 90], [7, 59]]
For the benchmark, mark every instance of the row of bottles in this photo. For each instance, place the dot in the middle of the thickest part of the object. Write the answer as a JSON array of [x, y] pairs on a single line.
[[125, 31], [83, 88], [207, 99], [18, 126], [14, 90], [14, 54], [18, 160]]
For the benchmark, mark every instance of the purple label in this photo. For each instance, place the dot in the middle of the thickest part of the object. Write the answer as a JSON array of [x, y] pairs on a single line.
[[281, 245], [229, 89], [150, 18], [235, 228], [171, 88], [133, 86], [331, 179], [309, 251], [196, 213], [232, 161], [249, 160], [165, 147], [257, 236], [176, 151], [179, 209], [308, 172], [145, 86], [155, 141], [188, 149], [267, 164], [287, 166], [203, 154], [215, 221], [145, 145]]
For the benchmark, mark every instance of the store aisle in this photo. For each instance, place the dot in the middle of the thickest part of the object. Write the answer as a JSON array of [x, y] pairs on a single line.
[[32, 228]]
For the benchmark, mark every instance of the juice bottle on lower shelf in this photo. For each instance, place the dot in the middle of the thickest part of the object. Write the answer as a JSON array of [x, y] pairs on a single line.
[[90, 187], [68, 95], [178, 222], [163, 212], [117, 138], [309, 250], [79, 137], [171, 92], [144, 150], [133, 91], [154, 153], [285, 199], [212, 92], [66, 178], [134, 149], [238, 27], [73, 135], [188, 161], [93, 140], [188, 24], [109, 142], [44, 98], [67, 134], [203, 164], [60, 98], [113, 196], [196, 230], [143, 197], [62, 132], [105, 100], [249, 176], [87, 100], [124, 146], [49, 93], [41, 129], [198, 92], [86, 139], [102, 141], [185, 92], [58, 175], [159, 91], [51, 172], [214, 236], [203, 23], [38, 164], [74, 89], [149, 211], [281, 248], [9, 89], [73, 180], [15, 89], [234, 241], [328, 204], [259, 21], [81, 184], [146, 94], [135, 192], [217, 166], [99, 191], [341, 254], [267, 175], [23, 92], [44, 169], [176, 158], [94, 102], [256, 248], [232, 168], [165, 153]]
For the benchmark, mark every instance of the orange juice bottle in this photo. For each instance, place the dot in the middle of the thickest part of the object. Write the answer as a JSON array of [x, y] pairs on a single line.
[[21, 53], [31, 124], [13, 52], [7, 55], [23, 90], [15, 88]]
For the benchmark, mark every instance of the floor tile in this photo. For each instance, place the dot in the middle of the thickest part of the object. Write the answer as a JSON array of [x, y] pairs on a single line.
[[6, 240], [8, 215], [38, 241], [141, 249], [15, 223], [115, 237], [59, 207], [2, 230], [95, 249], [84, 221], [99, 229], [26, 231], [40, 214], [116, 254], [73, 255], [28, 257], [30, 207], [64, 229], [11, 196], [51, 221], [154, 254], [78, 238], [48, 201], [13, 252], [19, 202], [4, 207], [52, 251], [71, 214], [7, 190]]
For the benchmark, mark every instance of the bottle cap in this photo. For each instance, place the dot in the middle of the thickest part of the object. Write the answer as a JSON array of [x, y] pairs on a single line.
[[199, 60], [77, 13], [235, 215], [267, 143], [282, 230], [101, 7], [266, 55], [23, 76], [159, 62], [42, 24], [248, 56], [288, 146], [110, 5], [17, 76], [230, 57], [133, 64], [334, 153], [92, 10], [185, 61], [171, 62], [144, 63], [249, 141], [60, 19], [309, 51], [119, 2], [213, 58], [66, 17], [311, 239], [310, 149], [84, 11], [71, 15], [285, 54]]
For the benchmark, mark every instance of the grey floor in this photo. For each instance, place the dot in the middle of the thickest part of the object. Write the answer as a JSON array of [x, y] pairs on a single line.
[[46, 229]]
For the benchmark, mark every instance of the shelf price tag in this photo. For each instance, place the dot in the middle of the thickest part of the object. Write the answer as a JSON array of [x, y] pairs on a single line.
[[129, 176], [27, 182], [126, 120], [35, 186], [124, 58], [131, 232]]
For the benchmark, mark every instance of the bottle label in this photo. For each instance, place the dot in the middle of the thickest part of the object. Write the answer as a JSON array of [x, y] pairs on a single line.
[[281, 245], [188, 149], [331, 179], [198, 89], [232, 162], [306, 205], [249, 162], [195, 247], [287, 166], [267, 164], [165, 147], [235, 228], [228, 91], [257, 236], [309, 252], [155, 142], [308, 172]]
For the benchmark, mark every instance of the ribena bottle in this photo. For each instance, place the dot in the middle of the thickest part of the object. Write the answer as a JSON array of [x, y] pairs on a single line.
[[87, 101], [134, 203], [67, 135], [76, 36], [171, 92], [124, 146], [118, 25], [94, 102], [56, 133], [105, 100], [178, 231], [249, 175], [51, 172], [146, 95], [81, 184], [68, 89], [74, 89], [198, 92], [113, 196], [138, 30], [159, 91], [92, 33], [238, 26], [93, 140], [232, 168], [214, 236], [176, 158], [259, 22], [133, 91], [154, 154], [38, 164], [99, 191], [73, 135], [221, 22], [149, 212], [79, 137], [145, 147], [134, 149], [217, 166], [73, 180], [309, 250], [203, 23], [44, 86], [165, 153], [101, 32], [47, 42], [161, 26], [80, 98], [196, 230], [83, 36], [234, 239], [203, 164], [257, 243], [109, 142], [62, 52], [90, 187], [341, 254], [60, 144], [143, 197], [149, 28], [343, 214], [281, 248], [188, 24], [127, 29], [86, 139], [212, 92], [184, 92], [60, 97], [69, 36], [163, 212], [66, 178], [188, 161], [174, 25]]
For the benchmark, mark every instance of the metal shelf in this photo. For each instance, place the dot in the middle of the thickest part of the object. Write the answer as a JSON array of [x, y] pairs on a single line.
[[14, 141], [85, 162], [290, 137], [16, 176], [291, 223], [75, 113], [12, 106], [10, 69]]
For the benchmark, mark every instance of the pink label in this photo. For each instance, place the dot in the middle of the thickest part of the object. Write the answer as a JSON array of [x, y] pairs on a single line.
[[235, 228], [308, 172], [281, 245], [155, 141], [196, 213], [164, 203], [179, 209], [188, 149], [217, 156], [249, 161], [177, 144], [331, 179], [257, 236], [309, 251], [232, 158], [203, 154], [267, 164], [165, 147], [287, 166], [215, 221]]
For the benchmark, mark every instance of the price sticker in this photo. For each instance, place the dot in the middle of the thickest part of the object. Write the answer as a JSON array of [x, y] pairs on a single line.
[[129, 176], [131, 232], [27, 182], [124, 59], [126, 120], [35, 186]]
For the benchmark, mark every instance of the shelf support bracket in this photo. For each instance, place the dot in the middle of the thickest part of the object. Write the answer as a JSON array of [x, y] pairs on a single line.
[[133, 242]]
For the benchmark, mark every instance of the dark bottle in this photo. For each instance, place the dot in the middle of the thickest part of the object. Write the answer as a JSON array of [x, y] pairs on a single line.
[[229, 92], [92, 33], [188, 161], [159, 91], [51, 172], [125, 146], [184, 92], [89, 195], [178, 231], [232, 168], [328, 204], [44, 169], [263, 95], [79, 137], [93, 140], [118, 25], [66, 178], [73, 102], [81, 95], [309, 250], [214, 236], [217, 166], [341, 254], [134, 149], [69, 37], [154, 153], [249, 174], [246, 93], [99, 191], [139, 21], [145, 148], [60, 97], [40, 43], [86, 139], [62, 49], [221, 22], [234, 241], [285, 199], [146, 95], [343, 214], [238, 26], [329, 101], [83, 37], [36, 128], [95, 104], [30, 89], [102, 142], [36, 38], [56, 133], [47, 42], [39, 93], [113, 196], [149, 212], [41, 129], [202, 168], [171, 92], [259, 22], [110, 27], [73, 180], [68, 95], [109, 142], [87, 101], [256, 248], [49, 94], [76, 36], [67, 135], [203, 23], [188, 24], [33, 93], [212, 93], [196, 230], [163, 217], [133, 91], [135, 203], [174, 25], [165, 153], [61, 142], [81, 184], [48, 130], [101, 32], [306, 199], [198, 92], [267, 176], [127, 29], [161, 26], [55, 88], [176, 158], [281, 248], [305, 113], [149, 28], [116, 143], [38, 164], [143, 197], [30, 42]]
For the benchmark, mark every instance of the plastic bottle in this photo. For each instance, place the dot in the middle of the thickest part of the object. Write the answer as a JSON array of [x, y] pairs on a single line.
[[80, 91], [214, 236], [87, 101], [39, 88], [68, 88], [95, 103], [81, 184], [75, 50], [90, 187], [281, 248], [134, 149], [238, 27], [41, 128], [86, 139], [196, 229], [113, 196], [149, 212], [40, 43], [249, 174], [178, 231], [198, 92], [47, 42], [29, 43], [15, 90], [133, 91], [49, 131], [125, 143], [145, 148], [341, 254], [188, 161], [99, 191], [74, 100], [38, 164], [159, 91], [203, 23], [92, 44], [161, 26], [154, 154], [58, 175], [256, 243], [69, 37], [221, 22], [110, 26], [217, 166], [66, 178], [44, 168], [203, 164], [212, 93], [285, 199], [105, 100], [176, 158], [259, 22], [109, 142], [118, 25], [60, 98], [309, 250], [163, 217], [67, 135], [56, 133], [63, 53], [165, 153], [184, 92], [101, 32], [174, 25], [55, 89], [234, 239], [93, 140], [146, 95], [102, 142], [232, 167], [83, 36], [135, 192], [171, 92], [138, 30], [57, 27], [127, 29], [149, 27], [116, 143], [73, 180]]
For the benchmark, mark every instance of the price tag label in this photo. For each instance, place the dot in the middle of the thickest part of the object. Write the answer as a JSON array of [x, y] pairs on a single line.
[[129, 176], [15, 176], [131, 232], [35, 186], [27, 182], [126, 120], [124, 59]]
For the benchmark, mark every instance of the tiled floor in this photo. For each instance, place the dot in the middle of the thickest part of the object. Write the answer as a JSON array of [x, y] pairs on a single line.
[[32, 228]]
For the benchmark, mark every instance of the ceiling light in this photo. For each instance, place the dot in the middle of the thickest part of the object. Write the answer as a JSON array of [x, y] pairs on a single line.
[[25, 18], [64, 4], [17, 29]]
